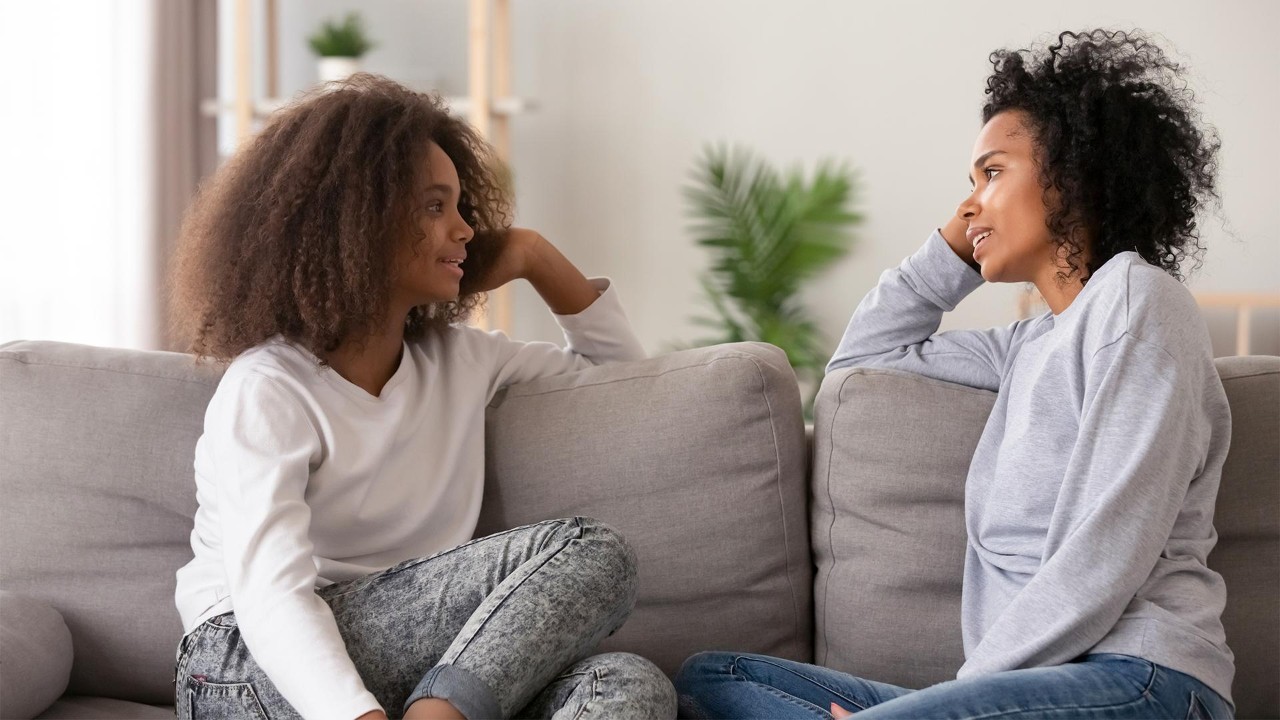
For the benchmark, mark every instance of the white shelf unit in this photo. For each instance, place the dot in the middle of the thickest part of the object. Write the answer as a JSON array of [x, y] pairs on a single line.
[[488, 105]]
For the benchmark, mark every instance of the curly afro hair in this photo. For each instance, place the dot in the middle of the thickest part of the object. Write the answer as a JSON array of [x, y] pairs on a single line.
[[296, 235], [1122, 148]]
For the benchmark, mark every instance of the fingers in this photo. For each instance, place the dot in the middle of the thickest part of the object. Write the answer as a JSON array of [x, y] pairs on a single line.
[[838, 712]]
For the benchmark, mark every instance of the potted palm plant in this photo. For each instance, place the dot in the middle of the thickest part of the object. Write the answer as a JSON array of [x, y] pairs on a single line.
[[340, 47], [768, 233]]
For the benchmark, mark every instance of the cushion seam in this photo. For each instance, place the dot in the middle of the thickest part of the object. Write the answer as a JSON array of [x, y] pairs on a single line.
[[786, 543], [599, 383], [132, 373]]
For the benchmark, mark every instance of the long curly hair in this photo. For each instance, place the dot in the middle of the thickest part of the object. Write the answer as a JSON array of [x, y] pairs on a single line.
[[1122, 149], [297, 234]]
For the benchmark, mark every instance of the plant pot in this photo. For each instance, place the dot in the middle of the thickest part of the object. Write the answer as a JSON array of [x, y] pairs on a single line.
[[337, 68]]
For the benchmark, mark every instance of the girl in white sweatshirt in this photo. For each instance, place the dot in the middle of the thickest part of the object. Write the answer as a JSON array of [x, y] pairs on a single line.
[[341, 467]]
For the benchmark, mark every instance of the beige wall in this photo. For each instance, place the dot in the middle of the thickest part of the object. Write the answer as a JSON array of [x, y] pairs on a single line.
[[629, 92]]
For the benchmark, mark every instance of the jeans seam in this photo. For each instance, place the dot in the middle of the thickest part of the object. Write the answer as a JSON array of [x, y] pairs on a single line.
[[784, 696], [815, 681], [596, 679], [577, 523], [252, 695], [1061, 708], [466, 645]]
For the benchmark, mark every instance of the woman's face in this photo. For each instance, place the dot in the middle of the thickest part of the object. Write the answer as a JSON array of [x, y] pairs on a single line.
[[429, 266], [1006, 211]]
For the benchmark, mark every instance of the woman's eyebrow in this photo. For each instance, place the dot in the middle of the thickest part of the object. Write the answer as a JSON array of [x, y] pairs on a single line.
[[983, 158]]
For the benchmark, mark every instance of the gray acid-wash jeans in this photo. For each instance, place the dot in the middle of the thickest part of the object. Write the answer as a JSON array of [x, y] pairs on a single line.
[[499, 627]]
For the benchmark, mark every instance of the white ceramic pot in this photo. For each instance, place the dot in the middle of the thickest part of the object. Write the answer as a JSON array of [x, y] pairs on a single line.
[[337, 68]]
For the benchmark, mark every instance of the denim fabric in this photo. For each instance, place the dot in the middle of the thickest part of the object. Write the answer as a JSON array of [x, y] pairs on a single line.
[[502, 623], [730, 685]]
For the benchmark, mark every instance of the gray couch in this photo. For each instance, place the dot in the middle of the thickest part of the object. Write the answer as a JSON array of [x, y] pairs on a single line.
[[844, 548]]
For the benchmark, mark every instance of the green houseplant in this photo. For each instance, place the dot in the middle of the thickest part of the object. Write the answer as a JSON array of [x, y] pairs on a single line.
[[340, 46], [768, 233]]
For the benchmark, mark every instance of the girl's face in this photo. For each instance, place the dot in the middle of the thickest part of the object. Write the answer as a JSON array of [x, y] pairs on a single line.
[[429, 266], [1006, 211]]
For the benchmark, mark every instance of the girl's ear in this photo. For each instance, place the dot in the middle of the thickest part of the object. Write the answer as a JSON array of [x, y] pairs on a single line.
[[481, 251]]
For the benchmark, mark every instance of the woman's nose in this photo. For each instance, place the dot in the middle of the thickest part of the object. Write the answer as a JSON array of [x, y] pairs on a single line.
[[967, 209]]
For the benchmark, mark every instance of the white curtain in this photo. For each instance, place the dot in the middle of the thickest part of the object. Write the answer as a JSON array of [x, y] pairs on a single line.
[[100, 149]]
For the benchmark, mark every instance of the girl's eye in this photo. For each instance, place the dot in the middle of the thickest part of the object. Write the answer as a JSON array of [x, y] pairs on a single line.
[[436, 207], [991, 173]]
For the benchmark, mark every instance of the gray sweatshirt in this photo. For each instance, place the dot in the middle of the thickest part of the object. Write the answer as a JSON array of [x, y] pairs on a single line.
[[1089, 502]]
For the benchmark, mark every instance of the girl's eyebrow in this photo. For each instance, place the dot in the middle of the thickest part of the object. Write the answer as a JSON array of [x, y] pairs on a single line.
[[440, 187], [983, 158]]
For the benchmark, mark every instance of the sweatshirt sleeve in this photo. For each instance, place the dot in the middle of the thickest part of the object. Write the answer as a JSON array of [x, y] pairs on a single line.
[[896, 324], [1144, 436], [263, 446], [599, 334]]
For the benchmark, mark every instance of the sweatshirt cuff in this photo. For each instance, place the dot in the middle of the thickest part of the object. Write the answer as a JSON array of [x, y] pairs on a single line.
[[602, 330], [939, 270]]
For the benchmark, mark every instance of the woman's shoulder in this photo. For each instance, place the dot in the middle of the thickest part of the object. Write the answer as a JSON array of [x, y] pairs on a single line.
[[1151, 305]]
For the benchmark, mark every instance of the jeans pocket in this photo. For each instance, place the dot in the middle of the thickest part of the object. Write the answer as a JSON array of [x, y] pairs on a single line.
[[1197, 710], [207, 700]]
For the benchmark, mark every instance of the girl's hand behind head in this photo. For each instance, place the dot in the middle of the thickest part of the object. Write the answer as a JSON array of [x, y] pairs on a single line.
[[513, 252]]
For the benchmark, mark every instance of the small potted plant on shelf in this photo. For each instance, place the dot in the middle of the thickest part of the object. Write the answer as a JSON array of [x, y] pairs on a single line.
[[340, 46]]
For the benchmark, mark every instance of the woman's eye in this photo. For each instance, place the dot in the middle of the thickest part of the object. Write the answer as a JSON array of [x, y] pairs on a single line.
[[991, 172]]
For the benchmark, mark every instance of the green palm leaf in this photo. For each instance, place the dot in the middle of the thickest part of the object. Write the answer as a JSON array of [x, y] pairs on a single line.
[[767, 234]]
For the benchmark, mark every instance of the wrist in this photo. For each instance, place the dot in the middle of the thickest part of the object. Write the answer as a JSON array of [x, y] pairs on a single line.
[[535, 253]]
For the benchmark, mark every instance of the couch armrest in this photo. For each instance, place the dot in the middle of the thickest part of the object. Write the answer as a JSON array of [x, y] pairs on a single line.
[[35, 656]]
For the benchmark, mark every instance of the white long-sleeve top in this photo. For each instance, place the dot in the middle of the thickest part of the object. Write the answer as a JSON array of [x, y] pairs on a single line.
[[304, 479], [1089, 501]]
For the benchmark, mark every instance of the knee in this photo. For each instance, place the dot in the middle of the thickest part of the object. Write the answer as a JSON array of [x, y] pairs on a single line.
[[646, 684], [704, 666], [614, 554]]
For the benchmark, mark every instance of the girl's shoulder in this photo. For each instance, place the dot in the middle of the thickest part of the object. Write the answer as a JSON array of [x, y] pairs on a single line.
[[282, 364], [464, 343]]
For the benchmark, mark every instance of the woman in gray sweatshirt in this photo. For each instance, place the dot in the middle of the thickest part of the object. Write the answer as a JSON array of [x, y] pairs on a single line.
[[1089, 500]]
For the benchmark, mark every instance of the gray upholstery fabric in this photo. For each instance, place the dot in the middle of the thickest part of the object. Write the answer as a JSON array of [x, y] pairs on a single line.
[[74, 707], [1248, 522], [96, 447], [35, 656], [698, 457], [891, 451]]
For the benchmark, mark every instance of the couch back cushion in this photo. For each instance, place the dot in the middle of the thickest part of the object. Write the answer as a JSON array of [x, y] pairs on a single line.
[[97, 500], [1247, 518], [891, 453], [699, 458]]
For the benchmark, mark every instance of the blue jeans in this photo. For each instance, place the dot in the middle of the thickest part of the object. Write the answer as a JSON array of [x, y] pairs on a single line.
[[733, 685], [502, 626]]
